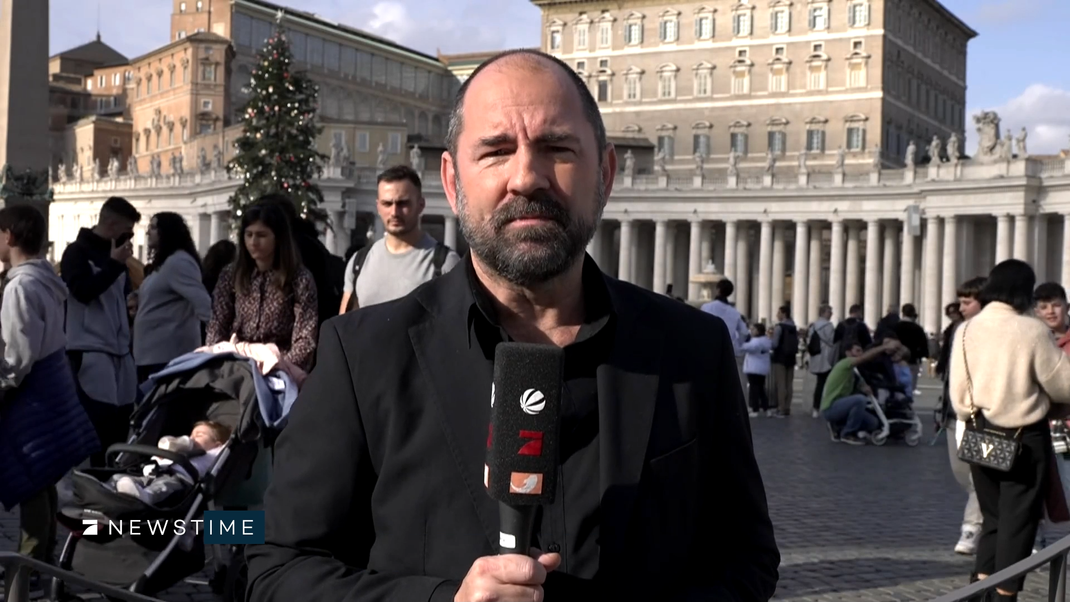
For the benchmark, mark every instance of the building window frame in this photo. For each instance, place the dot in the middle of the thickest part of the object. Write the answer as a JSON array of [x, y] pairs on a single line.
[[633, 29], [705, 23], [777, 136], [633, 84], [816, 137], [581, 33], [817, 72], [666, 140], [818, 16], [605, 30], [780, 18], [667, 81], [858, 13], [743, 20], [854, 132], [739, 137], [779, 75], [669, 26], [703, 80], [700, 139]]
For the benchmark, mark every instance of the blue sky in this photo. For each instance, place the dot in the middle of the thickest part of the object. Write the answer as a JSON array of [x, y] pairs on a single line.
[[1016, 64]]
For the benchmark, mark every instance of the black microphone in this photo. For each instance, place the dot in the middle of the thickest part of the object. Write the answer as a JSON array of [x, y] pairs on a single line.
[[523, 443]]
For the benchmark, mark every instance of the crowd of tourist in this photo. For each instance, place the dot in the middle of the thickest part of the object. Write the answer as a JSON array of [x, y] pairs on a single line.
[[1003, 365], [80, 337]]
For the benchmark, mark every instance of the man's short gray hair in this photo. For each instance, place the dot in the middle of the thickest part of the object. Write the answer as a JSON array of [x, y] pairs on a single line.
[[590, 106]]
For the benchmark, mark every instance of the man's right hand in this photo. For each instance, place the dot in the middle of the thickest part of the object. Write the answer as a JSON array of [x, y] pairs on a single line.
[[122, 252], [507, 578]]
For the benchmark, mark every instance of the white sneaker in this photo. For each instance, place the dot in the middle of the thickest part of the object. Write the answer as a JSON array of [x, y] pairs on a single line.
[[771, 413], [815, 414], [967, 544], [753, 414]]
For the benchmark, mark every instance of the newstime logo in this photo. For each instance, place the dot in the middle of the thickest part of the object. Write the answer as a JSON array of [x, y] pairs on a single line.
[[227, 527]]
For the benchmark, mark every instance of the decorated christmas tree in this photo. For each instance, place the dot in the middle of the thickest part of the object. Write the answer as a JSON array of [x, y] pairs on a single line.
[[276, 151]]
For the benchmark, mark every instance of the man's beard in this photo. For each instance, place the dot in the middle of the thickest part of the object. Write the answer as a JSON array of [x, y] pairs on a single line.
[[534, 254]]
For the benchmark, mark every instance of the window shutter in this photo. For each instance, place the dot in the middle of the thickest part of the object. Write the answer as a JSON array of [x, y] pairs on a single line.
[[735, 25], [861, 138], [663, 31], [670, 152], [639, 30], [865, 16], [698, 28], [772, 21], [788, 14], [821, 140], [813, 17], [771, 141], [851, 15]]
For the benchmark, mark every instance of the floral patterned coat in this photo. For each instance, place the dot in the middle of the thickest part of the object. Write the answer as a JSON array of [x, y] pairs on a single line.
[[265, 314]]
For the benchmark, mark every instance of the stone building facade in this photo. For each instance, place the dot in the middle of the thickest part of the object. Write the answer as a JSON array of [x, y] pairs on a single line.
[[759, 77]]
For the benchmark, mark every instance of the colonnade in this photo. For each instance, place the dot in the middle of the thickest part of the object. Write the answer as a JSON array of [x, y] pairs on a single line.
[[805, 263]]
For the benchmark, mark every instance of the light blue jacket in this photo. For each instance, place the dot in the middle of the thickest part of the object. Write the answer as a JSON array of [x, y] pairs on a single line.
[[758, 357]]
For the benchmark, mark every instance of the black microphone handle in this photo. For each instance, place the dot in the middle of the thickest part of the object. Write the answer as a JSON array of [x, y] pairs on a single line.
[[517, 525]]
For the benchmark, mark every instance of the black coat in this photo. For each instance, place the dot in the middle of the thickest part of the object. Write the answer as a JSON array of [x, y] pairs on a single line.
[[377, 491]]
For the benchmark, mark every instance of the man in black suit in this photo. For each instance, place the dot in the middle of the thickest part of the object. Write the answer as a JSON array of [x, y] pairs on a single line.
[[378, 488]]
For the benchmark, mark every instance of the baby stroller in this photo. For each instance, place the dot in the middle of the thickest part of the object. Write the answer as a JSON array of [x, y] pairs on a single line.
[[893, 407], [225, 388]]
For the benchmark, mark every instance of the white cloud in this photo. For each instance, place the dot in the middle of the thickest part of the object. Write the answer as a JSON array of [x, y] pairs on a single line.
[[428, 26], [1043, 110]]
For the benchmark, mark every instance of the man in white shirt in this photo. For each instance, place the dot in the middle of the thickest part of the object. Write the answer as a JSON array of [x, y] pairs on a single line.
[[737, 327]]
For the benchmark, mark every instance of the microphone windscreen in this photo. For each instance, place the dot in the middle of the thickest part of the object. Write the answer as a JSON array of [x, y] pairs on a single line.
[[523, 442]]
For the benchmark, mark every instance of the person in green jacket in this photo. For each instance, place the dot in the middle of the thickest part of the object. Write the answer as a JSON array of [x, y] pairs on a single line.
[[846, 395]]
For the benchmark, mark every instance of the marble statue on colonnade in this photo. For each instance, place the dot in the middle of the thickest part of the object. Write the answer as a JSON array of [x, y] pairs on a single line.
[[912, 153], [629, 163], [1022, 153], [953, 148]]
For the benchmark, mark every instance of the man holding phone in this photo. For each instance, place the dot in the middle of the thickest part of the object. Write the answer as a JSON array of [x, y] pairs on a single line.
[[94, 267]]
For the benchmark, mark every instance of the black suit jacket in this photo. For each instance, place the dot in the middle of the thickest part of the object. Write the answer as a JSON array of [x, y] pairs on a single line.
[[378, 492]]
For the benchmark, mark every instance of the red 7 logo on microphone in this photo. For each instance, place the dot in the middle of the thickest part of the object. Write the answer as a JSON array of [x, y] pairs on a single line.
[[533, 447]]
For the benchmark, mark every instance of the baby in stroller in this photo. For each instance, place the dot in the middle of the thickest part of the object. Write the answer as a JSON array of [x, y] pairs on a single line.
[[160, 478]]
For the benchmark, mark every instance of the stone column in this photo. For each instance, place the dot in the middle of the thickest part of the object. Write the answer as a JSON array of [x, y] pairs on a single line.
[[670, 261], [799, 275], [854, 266], [624, 269], [1003, 238], [1066, 251], [836, 272], [906, 267], [660, 230], [1039, 248], [694, 265], [890, 296], [1021, 237], [814, 273], [873, 273], [931, 312], [950, 264], [743, 273], [451, 231], [707, 244], [765, 270], [779, 275], [729, 267], [215, 230]]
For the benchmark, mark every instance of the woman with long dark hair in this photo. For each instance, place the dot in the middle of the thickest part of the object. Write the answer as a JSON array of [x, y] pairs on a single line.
[[172, 301], [266, 295], [1005, 375]]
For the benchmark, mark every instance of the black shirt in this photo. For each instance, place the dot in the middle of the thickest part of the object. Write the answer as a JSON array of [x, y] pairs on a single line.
[[570, 525]]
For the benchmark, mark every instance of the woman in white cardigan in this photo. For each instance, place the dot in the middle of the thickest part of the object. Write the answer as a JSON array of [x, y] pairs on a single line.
[[172, 301], [1005, 365]]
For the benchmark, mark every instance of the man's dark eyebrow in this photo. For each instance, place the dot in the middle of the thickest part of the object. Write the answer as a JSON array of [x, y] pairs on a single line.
[[556, 138], [496, 140]]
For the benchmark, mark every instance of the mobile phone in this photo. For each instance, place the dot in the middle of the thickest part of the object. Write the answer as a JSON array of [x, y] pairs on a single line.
[[123, 239]]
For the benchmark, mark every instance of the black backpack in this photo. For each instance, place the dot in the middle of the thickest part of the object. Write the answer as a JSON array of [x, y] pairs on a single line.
[[813, 346], [786, 351], [442, 252]]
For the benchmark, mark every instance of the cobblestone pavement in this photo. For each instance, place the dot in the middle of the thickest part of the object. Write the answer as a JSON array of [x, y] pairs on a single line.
[[856, 524]]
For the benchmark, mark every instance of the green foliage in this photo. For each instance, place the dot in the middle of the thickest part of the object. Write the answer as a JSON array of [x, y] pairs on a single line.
[[276, 151]]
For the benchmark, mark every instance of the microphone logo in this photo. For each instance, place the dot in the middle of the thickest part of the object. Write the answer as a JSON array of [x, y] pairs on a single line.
[[532, 402], [492, 395]]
